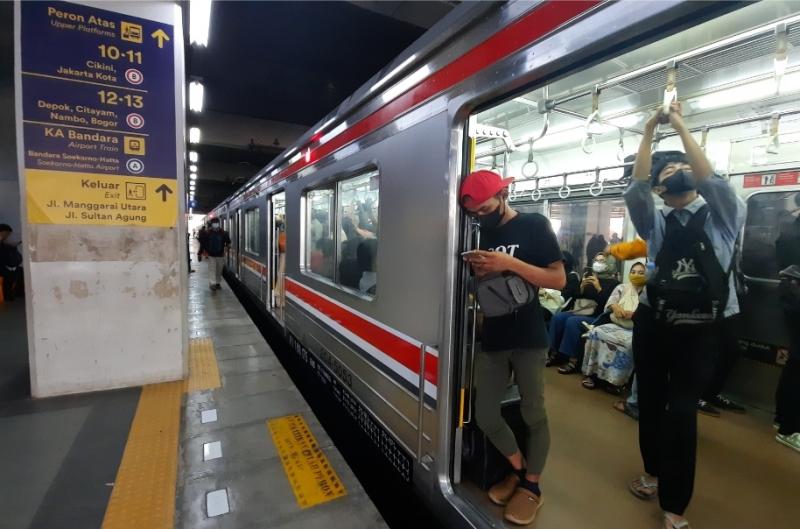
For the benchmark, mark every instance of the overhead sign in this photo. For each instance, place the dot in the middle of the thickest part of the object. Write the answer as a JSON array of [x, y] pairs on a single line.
[[98, 116]]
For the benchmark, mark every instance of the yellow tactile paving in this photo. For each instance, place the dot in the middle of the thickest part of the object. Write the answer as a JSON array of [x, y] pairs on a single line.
[[203, 368], [311, 476], [144, 490]]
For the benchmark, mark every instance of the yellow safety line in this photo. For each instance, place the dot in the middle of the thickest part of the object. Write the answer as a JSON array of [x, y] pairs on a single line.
[[203, 369], [311, 476], [144, 490], [82, 81], [47, 123]]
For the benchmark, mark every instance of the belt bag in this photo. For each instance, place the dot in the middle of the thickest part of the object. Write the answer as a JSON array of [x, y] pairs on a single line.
[[501, 294]]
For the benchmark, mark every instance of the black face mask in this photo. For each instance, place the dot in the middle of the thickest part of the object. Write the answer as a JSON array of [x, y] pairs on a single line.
[[678, 182], [491, 220]]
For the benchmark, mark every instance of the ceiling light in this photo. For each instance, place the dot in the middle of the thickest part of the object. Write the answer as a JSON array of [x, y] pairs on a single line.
[[199, 21], [193, 156], [192, 184], [196, 96], [193, 168], [194, 135], [193, 176]]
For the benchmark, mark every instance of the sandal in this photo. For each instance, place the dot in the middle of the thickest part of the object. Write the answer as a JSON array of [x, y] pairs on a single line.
[[643, 489], [588, 383], [623, 407], [568, 369], [671, 524]]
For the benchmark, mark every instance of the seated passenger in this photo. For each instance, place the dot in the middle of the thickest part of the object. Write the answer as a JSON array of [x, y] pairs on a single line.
[[608, 356], [566, 327], [573, 287], [366, 253]]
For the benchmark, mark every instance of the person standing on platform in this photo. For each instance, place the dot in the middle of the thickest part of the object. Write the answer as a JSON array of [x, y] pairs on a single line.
[[10, 264], [676, 327], [217, 243], [202, 240]]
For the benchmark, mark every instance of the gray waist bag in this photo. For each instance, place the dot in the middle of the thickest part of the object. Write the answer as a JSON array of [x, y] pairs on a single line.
[[499, 295]]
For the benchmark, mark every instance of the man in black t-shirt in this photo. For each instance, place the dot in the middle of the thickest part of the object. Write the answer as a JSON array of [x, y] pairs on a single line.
[[525, 245]]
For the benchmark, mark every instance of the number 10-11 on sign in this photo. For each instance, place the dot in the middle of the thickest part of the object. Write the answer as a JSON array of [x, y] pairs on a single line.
[[114, 53]]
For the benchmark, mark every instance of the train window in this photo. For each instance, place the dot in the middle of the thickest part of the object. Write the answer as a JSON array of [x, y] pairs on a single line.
[[342, 232], [320, 244], [769, 215], [252, 231], [358, 230], [588, 226]]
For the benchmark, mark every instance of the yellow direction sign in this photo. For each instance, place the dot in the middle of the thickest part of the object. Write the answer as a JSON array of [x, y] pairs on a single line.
[[58, 197], [161, 36]]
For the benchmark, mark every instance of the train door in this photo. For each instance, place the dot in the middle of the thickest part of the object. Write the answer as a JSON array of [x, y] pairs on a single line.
[[238, 242], [277, 254], [570, 165]]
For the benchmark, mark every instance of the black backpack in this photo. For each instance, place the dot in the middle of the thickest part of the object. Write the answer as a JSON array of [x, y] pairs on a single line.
[[689, 286]]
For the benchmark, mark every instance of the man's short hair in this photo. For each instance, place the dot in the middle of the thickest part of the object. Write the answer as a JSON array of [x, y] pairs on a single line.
[[663, 158], [5, 227]]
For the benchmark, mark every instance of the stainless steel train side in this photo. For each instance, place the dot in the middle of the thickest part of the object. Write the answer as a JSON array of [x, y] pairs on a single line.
[[420, 156]]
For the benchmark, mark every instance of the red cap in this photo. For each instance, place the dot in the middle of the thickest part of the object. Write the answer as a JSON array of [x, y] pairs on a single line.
[[480, 186]]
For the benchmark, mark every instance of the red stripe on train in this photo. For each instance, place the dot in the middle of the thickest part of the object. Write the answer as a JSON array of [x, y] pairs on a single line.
[[524, 31], [404, 352]]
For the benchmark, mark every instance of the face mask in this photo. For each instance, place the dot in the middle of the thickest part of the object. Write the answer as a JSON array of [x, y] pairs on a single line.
[[678, 182], [599, 267], [637, 280], [490, 220], [215, 226]]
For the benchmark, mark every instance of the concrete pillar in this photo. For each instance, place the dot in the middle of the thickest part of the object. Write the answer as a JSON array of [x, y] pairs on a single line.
[[103, 200]]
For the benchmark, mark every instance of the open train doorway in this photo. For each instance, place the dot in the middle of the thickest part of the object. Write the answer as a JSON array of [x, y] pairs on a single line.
[[568, 144], [277, 254]]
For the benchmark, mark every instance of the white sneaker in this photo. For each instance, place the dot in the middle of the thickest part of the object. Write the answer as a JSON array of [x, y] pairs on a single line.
[[792, 441]]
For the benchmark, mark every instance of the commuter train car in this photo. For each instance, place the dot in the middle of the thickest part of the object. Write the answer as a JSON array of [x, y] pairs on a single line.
[[351, 238]]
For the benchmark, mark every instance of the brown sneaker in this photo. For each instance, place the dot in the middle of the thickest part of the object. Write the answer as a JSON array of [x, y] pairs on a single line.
[[523, 507], [502, 491]]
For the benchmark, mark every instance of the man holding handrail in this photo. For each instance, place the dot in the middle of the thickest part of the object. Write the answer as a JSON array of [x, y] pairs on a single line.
[[676, 327]]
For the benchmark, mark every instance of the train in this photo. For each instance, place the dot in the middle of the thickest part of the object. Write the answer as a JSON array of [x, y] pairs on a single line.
[[350, 239]]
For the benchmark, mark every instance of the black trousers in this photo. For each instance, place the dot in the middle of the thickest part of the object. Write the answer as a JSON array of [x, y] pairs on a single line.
[[787, 397], [726, 359], [12, 281], [674, 366]]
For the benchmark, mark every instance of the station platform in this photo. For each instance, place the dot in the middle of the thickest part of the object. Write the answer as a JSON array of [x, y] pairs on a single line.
[[233, 446]]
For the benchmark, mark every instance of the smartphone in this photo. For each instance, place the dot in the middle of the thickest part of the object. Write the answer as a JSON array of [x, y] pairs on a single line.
[[587, 271]]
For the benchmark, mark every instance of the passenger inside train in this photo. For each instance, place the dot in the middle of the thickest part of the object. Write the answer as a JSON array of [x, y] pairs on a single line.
[[714, 107]]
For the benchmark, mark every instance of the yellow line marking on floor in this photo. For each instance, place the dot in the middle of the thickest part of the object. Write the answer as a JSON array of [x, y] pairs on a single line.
[[311, 476], [203, 368], [144, 490]]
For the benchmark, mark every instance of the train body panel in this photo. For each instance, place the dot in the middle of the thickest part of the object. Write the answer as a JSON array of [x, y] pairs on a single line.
[[399, 356]]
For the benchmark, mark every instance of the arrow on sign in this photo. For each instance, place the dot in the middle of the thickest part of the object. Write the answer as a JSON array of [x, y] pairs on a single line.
[[164, 190], [161, 36]]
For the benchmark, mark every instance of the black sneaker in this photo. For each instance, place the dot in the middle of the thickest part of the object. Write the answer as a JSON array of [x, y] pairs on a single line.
[[727, 404], [707, 409]]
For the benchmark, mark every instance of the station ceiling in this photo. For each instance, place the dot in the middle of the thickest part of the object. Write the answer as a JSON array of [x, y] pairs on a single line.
[[288, 62]]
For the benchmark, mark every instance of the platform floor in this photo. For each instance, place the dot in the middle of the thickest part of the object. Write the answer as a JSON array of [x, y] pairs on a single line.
[[254, 389]]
